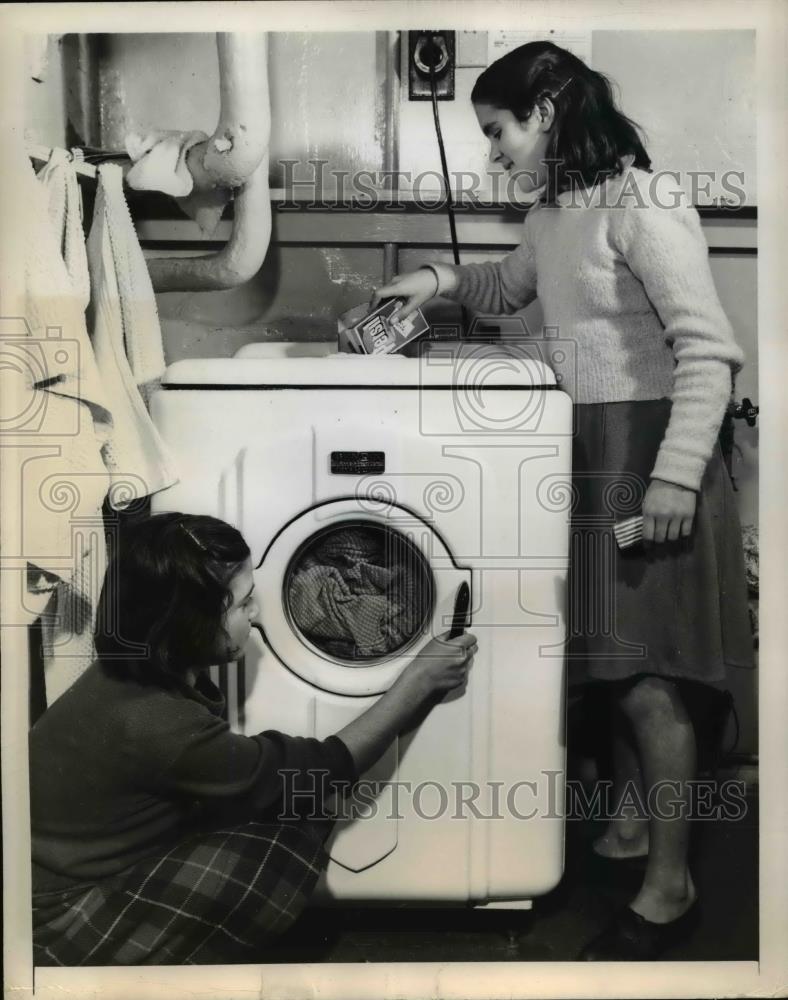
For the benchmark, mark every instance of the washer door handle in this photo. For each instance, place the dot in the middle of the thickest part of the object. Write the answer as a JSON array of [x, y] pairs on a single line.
[[459, 621]]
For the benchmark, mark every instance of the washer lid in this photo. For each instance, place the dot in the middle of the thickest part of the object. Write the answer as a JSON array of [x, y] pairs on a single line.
[[349, 595], [518, 366]]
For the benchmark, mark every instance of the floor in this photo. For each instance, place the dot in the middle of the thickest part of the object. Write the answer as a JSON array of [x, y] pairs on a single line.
[[725, 869]]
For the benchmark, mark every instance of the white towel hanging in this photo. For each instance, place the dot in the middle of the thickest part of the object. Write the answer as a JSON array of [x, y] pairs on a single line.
[[59, 178], [126, 337]]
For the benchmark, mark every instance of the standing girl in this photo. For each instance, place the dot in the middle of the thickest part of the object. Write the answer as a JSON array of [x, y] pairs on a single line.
[[620, 266], [159, 836]]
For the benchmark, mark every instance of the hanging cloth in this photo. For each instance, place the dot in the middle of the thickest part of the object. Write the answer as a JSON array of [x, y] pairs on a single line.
[[62, 476], [57, 290], [65, 214], [127, 342]]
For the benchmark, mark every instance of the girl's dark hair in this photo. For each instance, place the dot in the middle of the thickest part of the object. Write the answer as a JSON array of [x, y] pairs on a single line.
[[589, 136], [165, 593]]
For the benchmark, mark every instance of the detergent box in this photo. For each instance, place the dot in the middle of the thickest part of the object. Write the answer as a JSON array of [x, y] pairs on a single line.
[[360, 332]]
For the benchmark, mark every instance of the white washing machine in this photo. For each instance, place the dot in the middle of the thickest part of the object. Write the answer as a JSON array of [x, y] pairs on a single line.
[[450, 467]]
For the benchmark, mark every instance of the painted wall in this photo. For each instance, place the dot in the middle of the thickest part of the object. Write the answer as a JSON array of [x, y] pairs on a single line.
[[45, 123], [325, 104], [693, 92], [325, 100]]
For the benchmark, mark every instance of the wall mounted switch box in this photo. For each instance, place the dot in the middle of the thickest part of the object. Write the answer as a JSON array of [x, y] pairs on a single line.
[[426, 49]]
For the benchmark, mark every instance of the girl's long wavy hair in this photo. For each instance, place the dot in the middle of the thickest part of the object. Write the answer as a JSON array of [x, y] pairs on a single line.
[[590, 135], [164, 596]]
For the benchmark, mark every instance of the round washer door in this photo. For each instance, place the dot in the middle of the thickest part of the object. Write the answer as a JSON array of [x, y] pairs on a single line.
[[350, 590]]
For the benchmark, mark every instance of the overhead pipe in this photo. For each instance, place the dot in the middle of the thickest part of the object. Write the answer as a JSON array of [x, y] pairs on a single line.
[[234, 157]]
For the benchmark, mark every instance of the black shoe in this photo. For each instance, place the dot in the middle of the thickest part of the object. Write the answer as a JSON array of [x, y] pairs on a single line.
[[632, 938]]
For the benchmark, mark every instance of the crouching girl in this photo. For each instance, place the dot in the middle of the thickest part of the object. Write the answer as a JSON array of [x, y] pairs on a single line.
[[157, 833]]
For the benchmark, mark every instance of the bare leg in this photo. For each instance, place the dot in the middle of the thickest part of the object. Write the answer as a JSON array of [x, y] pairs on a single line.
[[665, 741], [626, 835]]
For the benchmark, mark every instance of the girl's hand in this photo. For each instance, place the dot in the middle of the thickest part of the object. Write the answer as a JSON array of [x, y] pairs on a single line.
[[440, 666], [668, 512], [415, 287]]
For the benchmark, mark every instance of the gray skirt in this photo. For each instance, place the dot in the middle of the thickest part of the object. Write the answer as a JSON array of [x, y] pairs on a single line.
[[676, 610]]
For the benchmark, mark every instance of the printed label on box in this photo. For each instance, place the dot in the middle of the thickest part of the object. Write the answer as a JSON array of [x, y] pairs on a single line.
[[377, 333]]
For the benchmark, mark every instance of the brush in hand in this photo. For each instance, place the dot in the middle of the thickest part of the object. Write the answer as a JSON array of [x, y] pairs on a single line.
[[629, 532]]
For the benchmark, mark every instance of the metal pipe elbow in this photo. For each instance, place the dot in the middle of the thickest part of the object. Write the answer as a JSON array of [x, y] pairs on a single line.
[[235, 157]]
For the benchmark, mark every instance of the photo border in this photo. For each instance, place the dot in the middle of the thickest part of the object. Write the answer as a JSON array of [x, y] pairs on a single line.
[[463, 979]]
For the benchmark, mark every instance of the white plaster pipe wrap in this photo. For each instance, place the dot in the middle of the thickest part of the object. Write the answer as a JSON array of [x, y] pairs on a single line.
[[242, 135], [235, 156]]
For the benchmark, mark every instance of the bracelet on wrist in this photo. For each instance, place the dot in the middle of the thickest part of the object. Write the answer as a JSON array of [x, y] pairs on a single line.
[[429, 267]]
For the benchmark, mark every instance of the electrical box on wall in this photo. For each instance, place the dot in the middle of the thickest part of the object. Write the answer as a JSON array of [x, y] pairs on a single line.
[[431, 55]]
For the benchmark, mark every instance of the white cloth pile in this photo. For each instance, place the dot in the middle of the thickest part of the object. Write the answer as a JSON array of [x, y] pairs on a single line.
[[159, 164]]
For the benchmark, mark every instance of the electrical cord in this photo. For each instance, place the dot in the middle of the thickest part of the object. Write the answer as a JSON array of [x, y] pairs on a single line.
[[445, 169], [444, 165]]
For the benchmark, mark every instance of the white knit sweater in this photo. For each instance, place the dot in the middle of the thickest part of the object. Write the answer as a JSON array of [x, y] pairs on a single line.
[[627, 278]]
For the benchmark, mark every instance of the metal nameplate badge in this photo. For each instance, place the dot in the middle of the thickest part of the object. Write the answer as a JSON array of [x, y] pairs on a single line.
[[357, 463]]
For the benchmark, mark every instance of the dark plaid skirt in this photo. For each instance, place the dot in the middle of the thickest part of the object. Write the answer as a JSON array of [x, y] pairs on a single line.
[[217, 898], [678, 609]]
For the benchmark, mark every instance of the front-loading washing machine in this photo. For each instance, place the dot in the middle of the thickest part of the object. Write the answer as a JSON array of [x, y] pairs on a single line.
[[369, 490]]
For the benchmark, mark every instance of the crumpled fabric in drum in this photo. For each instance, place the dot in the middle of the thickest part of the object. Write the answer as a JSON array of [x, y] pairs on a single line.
[[352, 600]]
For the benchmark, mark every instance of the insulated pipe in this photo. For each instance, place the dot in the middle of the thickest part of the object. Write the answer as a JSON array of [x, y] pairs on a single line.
[[236, 156], [239, 259], [241, 137]]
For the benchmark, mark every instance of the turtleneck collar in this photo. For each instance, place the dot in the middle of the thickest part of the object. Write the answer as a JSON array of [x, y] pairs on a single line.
[[578, 199]]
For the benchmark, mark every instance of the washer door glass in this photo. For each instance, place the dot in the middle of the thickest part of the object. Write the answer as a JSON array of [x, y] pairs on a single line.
[[358, 592]]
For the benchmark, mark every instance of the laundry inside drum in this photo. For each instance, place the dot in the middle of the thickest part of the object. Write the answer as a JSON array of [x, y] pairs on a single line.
[[359, 592]]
